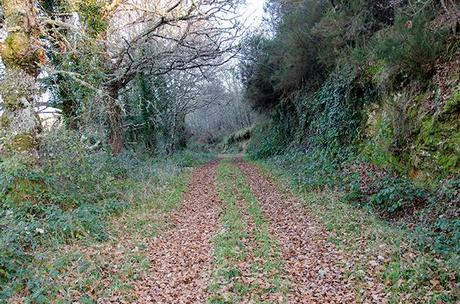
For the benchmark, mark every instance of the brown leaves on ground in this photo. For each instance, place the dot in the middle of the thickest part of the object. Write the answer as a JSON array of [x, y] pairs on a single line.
[[181, 258], [314, 266]]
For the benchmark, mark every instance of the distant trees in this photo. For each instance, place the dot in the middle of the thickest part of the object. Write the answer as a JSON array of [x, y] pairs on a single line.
[[221, 110], [94, 55], [161, 37]]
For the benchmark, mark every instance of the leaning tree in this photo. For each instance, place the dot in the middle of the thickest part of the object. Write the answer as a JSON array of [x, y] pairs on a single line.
[[21, 54], [160, 37]]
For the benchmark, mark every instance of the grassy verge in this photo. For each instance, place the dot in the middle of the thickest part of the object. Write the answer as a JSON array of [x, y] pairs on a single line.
[[81, 230], [244, 239], [410, 275], [110, 268]]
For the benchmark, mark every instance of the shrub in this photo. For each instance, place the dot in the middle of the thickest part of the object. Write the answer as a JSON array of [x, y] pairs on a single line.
[[76, 172], [267, 140], [398, 195], [412, 44], [439, 228]]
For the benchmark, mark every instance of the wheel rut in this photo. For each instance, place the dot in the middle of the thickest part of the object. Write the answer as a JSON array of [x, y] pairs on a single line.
[[314, 267], [181, 258]]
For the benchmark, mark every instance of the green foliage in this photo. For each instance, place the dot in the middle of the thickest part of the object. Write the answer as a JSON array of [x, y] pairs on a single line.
[[147, 100], [411, 44], [256, 70], [438, 143], [314, 170], [75, 172], [93, 14], [335, 114], [324, 65], [328, 120], [267, 140], [376, 148], [375, 103], [71, 197], [397, 195], [439, 230], [154, 122]]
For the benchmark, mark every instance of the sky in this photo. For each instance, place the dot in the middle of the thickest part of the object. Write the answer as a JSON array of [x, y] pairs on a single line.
[[252, 12]]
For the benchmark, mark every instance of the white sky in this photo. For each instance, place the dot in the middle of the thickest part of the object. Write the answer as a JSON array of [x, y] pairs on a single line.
[[252, 12]]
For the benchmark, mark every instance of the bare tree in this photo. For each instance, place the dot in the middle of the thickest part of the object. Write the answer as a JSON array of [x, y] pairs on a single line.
[[161, 37]]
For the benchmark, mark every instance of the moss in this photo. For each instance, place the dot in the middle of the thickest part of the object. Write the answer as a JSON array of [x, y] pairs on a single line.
[[453, 104], [438, 145], [374, 70], [15, 47], [22, 142], [414, 109], [12, 99], [93, 14], [17, 51], [4, 121], [26, 190], [377, 148]]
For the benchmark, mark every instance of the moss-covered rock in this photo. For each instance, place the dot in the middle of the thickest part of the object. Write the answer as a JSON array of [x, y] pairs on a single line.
[[27, 190], [433, 146], [22, 142], [4, 122], [452, 105], [437, 146], [379, 133]]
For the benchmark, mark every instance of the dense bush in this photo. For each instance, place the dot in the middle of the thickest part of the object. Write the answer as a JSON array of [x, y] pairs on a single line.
[[412, 44], [77, 188], [267, 140]]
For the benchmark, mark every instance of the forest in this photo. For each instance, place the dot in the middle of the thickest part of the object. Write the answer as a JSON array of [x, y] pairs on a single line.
[[229, 151]]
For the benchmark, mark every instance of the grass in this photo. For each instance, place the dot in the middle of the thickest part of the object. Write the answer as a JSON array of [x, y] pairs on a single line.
[[109, 269], [229, 250], [87, 269], [410, 275], [244, 240], [65, 248]]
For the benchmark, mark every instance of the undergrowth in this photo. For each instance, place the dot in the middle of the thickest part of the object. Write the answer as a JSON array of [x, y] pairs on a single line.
[[418, 260], [72, 198]]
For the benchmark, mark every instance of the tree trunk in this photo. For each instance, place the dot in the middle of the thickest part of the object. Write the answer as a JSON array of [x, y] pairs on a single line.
[[115, 120], [21, 54]]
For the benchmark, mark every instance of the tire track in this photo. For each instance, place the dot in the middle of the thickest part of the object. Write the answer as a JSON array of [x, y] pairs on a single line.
[[314, 267], [181, 258]]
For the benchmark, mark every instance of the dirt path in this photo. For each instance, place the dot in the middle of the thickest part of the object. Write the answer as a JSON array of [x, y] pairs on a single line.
[[313, 265], [181, 258]]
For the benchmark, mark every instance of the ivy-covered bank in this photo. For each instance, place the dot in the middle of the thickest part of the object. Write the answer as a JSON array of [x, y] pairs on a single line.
[[362, 98]]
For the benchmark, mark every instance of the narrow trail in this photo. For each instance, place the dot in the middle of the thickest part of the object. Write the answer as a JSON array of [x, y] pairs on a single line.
[[181, 258], [315, 267], [183, 268]]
